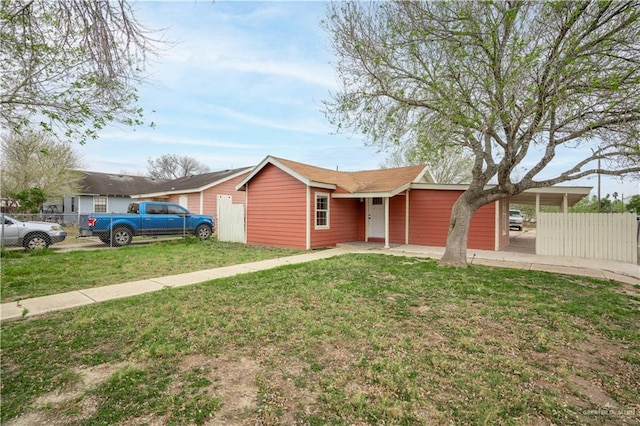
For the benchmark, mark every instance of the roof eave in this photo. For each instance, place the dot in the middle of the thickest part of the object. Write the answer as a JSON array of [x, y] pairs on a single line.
[[199, 189], [384, 194], [221, 181], [273, 161]]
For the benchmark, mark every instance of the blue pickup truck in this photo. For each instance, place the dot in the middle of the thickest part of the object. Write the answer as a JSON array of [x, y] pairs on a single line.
[[150, 218]]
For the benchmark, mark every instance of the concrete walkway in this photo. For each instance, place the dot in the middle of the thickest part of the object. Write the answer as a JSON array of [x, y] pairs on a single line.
[[626, 273]]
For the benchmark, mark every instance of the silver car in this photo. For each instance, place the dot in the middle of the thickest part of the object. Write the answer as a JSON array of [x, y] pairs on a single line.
[[30, 235], [516, 220]]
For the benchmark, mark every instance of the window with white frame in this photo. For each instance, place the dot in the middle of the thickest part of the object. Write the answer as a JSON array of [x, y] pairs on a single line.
[[322, 211], [99, 204]]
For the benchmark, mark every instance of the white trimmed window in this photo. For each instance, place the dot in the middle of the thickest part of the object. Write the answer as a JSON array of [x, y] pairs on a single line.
[[322, 211], [99, 204]]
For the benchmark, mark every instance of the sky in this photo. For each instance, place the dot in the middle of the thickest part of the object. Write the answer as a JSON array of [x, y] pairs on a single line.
[[239, 81]]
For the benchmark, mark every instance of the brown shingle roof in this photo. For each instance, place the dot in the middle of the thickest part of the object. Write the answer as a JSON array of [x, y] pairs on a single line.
[[367, 181]]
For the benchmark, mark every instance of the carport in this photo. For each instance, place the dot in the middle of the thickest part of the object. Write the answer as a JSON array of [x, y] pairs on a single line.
[[562, 197], [603, 236], [558, 196]]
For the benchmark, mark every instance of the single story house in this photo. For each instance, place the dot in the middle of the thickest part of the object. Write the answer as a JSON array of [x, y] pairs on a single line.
[[291, 204], [200, 193], [104, 193]]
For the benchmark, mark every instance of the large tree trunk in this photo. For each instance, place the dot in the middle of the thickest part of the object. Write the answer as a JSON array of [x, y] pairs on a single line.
[[461, 214]]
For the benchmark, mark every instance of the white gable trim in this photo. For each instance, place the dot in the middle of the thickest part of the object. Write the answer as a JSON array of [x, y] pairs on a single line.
[[271, 160], [425, 176]]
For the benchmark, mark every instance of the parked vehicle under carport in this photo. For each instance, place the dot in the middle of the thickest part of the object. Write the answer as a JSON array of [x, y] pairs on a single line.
[[516, 219]]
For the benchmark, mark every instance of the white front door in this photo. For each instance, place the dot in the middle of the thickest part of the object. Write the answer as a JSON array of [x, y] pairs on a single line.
[[375, 217]]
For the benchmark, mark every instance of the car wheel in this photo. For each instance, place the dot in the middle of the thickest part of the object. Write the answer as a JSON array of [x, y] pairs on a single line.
[[122, 236], [203, 232], [105, 240], [36, 241]]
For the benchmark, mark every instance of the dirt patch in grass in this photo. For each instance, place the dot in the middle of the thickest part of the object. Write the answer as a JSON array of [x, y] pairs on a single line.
[[53, 407], [233, 380], [235, 383]]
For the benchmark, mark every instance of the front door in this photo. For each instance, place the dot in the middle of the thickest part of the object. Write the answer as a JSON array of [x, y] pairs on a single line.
[[376, 217]]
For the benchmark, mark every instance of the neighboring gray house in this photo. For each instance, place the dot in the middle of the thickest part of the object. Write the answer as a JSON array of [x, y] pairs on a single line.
[[105, 193]]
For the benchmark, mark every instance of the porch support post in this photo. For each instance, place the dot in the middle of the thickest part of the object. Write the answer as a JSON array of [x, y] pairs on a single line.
[[386, 222], [537, 206], [565, 203], [366, 219]]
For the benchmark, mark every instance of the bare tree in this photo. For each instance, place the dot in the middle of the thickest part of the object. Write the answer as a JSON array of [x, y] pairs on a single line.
[[35, 160], [174, 166], [513, 82], [70, 66]]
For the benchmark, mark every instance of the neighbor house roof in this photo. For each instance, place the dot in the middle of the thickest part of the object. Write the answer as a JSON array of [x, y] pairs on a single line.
[[194, 183], [368, 182], [96, 183]]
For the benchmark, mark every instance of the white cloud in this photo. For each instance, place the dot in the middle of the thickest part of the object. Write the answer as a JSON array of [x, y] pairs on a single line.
[[151, 137], [288, 123], [238, 40]]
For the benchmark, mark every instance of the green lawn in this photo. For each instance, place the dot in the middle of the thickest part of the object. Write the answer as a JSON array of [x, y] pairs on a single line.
[[355, 339], [44, 272]]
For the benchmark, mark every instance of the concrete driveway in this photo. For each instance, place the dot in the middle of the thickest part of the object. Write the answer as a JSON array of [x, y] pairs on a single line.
[[522, 241]]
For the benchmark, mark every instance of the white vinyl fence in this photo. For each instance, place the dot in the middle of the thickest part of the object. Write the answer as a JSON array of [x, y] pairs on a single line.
[[606, 236], [230, 220]]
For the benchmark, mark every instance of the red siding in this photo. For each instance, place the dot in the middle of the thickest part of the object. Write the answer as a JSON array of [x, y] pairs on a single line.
[[482, 234], [210, 202], [276, 209], [429, 215], [397, 219], [346, 221]]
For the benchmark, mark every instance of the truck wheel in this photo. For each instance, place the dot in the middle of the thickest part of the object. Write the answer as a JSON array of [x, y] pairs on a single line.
[[122, 236], [36, 241], [203, 232]]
